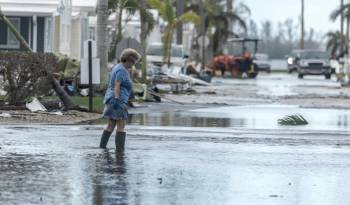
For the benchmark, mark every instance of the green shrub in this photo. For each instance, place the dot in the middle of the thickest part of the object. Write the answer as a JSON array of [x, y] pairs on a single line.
[[25, 74]]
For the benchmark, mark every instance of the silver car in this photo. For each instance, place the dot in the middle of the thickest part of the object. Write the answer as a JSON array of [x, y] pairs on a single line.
[[262, 61], [313, 62]]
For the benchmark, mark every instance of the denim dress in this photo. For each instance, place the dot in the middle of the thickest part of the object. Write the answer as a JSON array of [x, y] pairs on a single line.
[[113, 110]]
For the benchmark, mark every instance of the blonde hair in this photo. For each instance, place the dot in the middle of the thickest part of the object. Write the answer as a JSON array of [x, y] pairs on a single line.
[[129, 52]]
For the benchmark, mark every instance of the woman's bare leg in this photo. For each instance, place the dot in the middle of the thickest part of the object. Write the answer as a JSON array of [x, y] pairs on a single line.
[[111, 125]]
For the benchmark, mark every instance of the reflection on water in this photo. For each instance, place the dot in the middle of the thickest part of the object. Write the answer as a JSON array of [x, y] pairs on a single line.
[[178, 119], [110, 187], [250, 117]]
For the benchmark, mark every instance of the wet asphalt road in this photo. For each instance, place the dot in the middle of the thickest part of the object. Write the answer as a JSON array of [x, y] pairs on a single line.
[[219, 155], [45, 164]]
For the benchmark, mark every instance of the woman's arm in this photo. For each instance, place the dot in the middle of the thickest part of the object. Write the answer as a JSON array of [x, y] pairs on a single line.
[[117, 89]]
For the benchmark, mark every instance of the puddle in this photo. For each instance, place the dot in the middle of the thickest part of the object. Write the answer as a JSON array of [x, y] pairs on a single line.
[[250, 117]]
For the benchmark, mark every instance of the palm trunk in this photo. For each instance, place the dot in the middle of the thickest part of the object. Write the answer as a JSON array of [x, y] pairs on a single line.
[[117, 36], [347, 33], [65, 98], [302, 25], [102, 40], [167, 45], [341, 27], [229, 4], [180, 6], [143, 36], [120, 25]]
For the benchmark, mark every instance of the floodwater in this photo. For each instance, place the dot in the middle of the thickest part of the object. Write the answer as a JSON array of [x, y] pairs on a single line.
[[248, 117], [45, 164], [219, 155]]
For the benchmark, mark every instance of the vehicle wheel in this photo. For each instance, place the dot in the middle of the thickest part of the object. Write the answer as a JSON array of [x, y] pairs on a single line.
[[328, 76], [300, 75], [290, 70], [252, 75]]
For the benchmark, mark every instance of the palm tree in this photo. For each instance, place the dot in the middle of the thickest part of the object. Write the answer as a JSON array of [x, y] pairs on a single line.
[[334, 42], [167, 12], [220, 20], [118, 6], [147, 25], [344, 12], [102, 39]]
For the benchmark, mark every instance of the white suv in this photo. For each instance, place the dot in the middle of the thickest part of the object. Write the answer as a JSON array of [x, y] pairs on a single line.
[[313, 62], [155, 54]]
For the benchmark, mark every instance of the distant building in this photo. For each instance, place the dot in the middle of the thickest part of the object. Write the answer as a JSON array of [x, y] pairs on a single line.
[[58, 26]]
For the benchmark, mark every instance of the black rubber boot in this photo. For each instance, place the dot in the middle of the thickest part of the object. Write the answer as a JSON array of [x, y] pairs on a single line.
[[120, 141], [104, 138]]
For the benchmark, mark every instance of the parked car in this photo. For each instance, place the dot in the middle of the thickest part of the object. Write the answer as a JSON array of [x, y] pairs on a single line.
[[155, 55], [292, 60], [313, 62], [262, 61]]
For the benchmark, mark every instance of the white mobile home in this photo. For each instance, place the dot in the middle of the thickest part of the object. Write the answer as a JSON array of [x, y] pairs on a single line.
[[58, 26]]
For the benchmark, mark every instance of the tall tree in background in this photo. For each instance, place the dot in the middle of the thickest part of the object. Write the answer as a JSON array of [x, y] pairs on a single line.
[[218, 20], [334, 42], [278, 41], [343, 12], [166, 11], [302, 39], [118, 7], [266, 36], [147, 25], [253, 29], [180, 9], [229, 6], [102, 39], [290, 30], [342, 27]]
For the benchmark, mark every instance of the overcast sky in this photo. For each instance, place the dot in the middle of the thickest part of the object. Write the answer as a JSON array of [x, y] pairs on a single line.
[[316, 12]]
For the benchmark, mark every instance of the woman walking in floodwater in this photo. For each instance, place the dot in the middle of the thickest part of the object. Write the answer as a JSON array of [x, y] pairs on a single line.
[[116, 98]]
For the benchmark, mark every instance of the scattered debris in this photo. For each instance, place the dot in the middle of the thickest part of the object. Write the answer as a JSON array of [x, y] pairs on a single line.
[[35, 106], [295, 119], [5, 115], [210, 92], [84, 92], [160, 180]]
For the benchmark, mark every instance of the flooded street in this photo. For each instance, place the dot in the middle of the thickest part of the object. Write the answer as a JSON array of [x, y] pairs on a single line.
[[231, 153], [169, 165]]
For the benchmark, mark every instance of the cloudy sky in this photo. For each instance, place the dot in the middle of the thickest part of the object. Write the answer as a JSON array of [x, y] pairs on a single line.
[[316, 12]]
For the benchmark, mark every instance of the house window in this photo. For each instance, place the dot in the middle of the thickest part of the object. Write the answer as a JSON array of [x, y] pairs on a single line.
[[10, 40]]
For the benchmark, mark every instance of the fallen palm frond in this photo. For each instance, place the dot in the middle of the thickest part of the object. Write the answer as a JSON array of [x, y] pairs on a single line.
[[295, 119]]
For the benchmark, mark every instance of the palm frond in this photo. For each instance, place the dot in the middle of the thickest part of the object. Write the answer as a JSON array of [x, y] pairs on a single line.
[[293, 120], [148, 16], [190, 16], [158, 5], [340, 11]]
